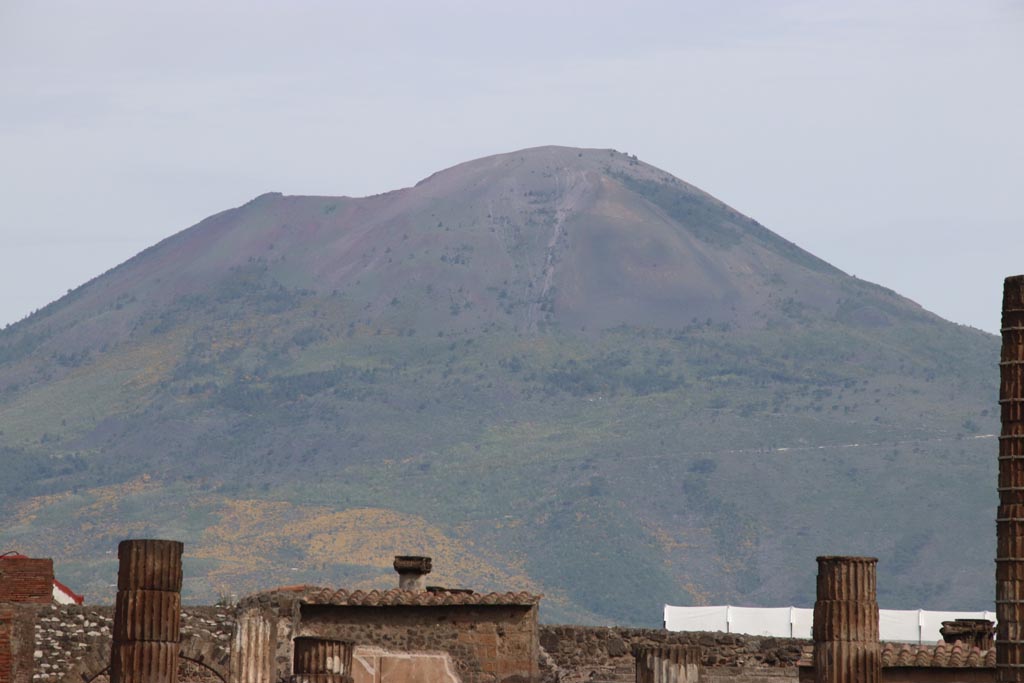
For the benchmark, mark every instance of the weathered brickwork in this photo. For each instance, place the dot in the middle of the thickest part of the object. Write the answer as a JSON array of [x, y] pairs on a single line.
[[6, 633], [1010, 516], [16, 662], [846, 647], [26, 580]]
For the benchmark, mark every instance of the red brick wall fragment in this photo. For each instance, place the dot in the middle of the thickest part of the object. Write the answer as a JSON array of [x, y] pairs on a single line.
[[25, 579]]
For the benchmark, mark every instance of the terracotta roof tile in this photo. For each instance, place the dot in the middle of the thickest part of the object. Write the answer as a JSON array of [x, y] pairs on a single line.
[[956, 656], [314, 595], [943, 655]]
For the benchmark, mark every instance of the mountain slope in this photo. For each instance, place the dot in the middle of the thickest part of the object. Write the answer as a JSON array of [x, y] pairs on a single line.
[[580, 372]]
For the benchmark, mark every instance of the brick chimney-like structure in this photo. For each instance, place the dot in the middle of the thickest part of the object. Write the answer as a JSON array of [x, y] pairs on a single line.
[[846, 647], [147, 612], [26, 579], [23, 580], [1010, 518], [412, 572]]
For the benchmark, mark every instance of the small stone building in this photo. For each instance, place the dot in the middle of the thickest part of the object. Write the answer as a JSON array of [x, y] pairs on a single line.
[[433, 636], [411, 634]]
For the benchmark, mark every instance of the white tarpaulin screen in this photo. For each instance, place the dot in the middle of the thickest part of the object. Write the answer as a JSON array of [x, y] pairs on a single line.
[[913, 626], [695, 618], [803, 621], [760, 622], [784, 622], [902, 625]]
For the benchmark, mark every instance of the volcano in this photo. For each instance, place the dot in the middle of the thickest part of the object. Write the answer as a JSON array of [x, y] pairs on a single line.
[[558, 369]]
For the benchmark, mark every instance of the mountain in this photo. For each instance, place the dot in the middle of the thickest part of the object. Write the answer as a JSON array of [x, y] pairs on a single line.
[[561, 369]]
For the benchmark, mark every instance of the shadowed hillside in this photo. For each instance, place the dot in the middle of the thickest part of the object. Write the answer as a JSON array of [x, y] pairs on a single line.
[[559, 368]]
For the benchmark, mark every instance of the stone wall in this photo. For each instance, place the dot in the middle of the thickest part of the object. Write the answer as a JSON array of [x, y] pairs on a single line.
[[572, 654], [487, 643], [72, 641]]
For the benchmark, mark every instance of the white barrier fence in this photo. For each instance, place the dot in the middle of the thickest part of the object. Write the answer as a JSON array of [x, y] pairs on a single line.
[[910, 626]]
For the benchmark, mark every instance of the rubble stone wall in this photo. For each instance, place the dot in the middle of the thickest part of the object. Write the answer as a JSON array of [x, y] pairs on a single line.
[[571, 654], [70, 641]]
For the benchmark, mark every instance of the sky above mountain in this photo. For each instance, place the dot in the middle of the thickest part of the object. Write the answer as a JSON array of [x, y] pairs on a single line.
[[882, 137]]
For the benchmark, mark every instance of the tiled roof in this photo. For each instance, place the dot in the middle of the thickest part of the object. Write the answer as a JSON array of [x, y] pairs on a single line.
[[78, 599], [315, 595], [943, 655]]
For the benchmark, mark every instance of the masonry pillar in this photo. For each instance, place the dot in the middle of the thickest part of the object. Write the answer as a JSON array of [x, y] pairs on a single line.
[[6, 641], [846, 647], [668, 664], [322, 661], [1010, 517], [25, 584], [147, 612]]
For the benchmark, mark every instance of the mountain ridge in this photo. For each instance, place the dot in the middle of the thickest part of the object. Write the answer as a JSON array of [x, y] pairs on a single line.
[[578, 369]]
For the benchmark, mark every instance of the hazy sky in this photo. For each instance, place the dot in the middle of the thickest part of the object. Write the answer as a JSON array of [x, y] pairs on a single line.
[[887, 137]]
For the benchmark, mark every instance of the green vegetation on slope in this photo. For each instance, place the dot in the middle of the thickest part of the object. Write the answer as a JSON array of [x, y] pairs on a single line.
[[616, 466]]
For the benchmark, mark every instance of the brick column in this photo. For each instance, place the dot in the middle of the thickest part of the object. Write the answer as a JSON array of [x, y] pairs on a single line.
[[6, 638], [668, 664], [25, 583], [1010, 517], [17, 642], [846, 647], [147, 612], [322, 661], [253, 645]]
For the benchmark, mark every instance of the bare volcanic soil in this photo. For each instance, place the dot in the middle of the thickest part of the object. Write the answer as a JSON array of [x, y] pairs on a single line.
[[560, 370]]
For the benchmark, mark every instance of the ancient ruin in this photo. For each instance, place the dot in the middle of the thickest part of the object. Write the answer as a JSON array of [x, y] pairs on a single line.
[[668, 664], [1010, 518], [394, 635], [147, 612], [978, 633], [414, 633], [846, 647]]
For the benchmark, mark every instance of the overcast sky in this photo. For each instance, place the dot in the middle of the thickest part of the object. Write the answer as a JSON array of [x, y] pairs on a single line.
[[886, 137]]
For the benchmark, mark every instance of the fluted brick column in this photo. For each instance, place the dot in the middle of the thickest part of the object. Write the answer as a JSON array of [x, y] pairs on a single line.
[[846, 647], [668, 663], [1010, 517], [147, 612], [252, 648]]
